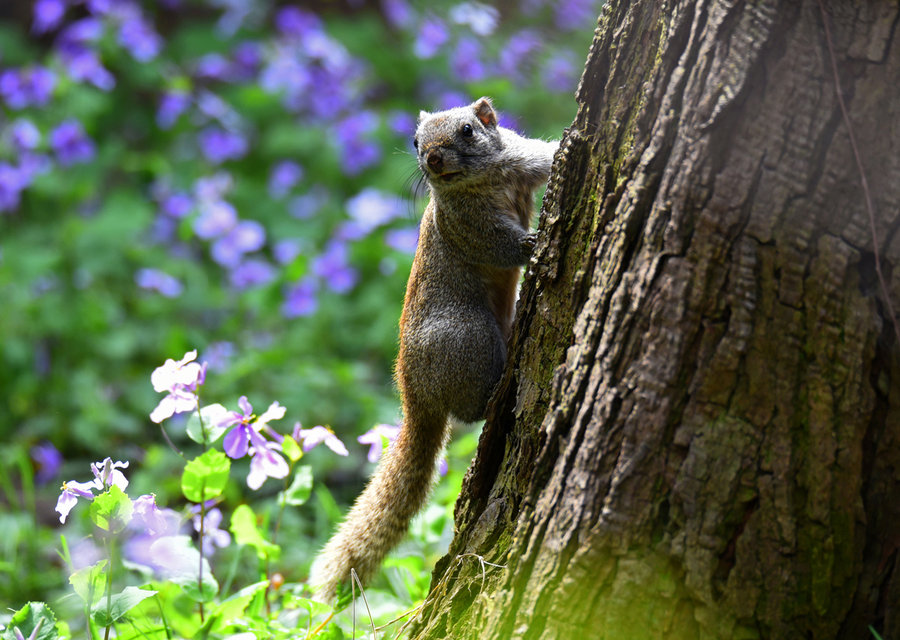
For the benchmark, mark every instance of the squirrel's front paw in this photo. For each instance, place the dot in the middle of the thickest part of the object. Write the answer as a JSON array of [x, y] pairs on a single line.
[[528, 243]]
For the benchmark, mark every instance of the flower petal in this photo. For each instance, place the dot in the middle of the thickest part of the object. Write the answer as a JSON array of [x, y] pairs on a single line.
[[274, 412], [236, 441]]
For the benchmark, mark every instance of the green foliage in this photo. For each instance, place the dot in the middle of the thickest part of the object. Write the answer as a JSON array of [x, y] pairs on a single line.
[[298, 493], [119, 605], [90, 582], [34, 621], [205, 476], [246, 532], [101, 282], [111, 511]]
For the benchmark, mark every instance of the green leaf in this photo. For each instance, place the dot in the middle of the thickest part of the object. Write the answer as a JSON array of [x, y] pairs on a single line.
[[245, 531], [90, 582], [196, 591], [28, 618], [111, 511], [119, 605], [291, 449], [212, 415], [300, 489], [234, 607], [205, 476]]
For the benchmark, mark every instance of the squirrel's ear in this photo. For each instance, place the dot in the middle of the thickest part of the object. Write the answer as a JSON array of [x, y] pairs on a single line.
[[423, 115], [484, 111]]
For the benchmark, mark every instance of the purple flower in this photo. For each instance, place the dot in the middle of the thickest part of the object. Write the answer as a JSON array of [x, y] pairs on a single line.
[[150, 519], [287, 250], [251, 273], [291, 21], [246, 426], [332, 266], [48, 461], [219, 145], [71, 144], [432, 36], [81, 32], [236, 11], [71, 491], [371, 208], [402, 123], [48, 15], [12, 182], [212, 536], [156, 280], [481, 18], [107, 474], [177, 205], [22, 88], [139, 38], [377, 437], [405, 240], [286, 73], [284, 177], [168, 556], [210, 104], [357, 153], [177, 401], [398, 13], [171, 106], [451, 99], [266, 463], [560, 72], [218, 355], [244, 237], [148, 525], [24, 134], [83, 65], [32, 164], [213, 188], [180, 380], [319, 435], [300, 299], [517, 55], [245, 437], [575, 14], [215, 219], [213, 66], [247, 59], [307, 205], [467, 60], [99, 7]]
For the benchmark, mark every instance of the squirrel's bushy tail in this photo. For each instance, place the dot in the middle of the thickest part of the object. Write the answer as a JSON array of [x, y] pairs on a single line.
[[380, 516]]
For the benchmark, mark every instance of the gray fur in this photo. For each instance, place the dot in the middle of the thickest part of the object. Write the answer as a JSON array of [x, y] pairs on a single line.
[[456, 319]]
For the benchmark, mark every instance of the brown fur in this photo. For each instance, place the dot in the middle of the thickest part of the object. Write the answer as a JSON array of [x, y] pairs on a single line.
[[457, 317]]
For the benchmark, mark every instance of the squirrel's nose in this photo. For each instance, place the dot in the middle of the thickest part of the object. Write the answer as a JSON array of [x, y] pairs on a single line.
[[435, 160]]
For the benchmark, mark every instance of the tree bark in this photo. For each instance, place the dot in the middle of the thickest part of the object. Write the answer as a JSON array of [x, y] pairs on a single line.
[[698, 433]]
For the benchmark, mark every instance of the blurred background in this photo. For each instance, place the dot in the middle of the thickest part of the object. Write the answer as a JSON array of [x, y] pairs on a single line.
[[232, 176]]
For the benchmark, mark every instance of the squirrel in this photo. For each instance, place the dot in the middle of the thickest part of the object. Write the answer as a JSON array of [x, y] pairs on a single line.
[[457, 317]]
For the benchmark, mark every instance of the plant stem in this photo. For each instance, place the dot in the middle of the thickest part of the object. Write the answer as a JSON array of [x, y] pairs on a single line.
[[202, 521], [109, 570]]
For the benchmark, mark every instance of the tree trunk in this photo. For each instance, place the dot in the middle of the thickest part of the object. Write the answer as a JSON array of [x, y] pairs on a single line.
[[698, 433]]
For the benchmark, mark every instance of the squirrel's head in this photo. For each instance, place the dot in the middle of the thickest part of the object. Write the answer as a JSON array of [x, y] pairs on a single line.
[[456, 146]]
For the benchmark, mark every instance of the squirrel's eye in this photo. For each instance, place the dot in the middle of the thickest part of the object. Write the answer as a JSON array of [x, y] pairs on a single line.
[[416, 143], [467, 131]]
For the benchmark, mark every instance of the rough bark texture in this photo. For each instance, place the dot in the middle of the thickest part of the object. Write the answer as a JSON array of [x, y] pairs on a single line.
[[698, 435]]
